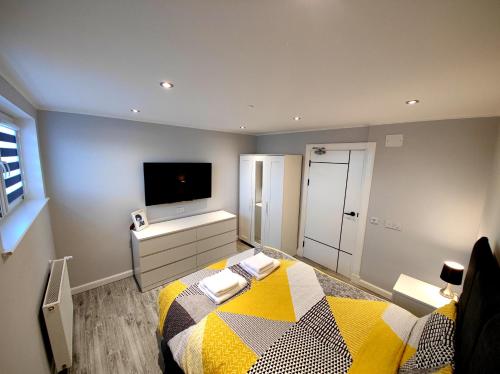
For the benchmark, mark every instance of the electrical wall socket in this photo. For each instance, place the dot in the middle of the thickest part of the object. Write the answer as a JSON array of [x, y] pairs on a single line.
[[374, 220], [392, 225]]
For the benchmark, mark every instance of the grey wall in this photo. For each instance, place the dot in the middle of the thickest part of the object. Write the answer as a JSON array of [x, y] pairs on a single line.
[[295, 143], [435, 186], [490, 226], [23, 277], [93, 174], [11, 96]]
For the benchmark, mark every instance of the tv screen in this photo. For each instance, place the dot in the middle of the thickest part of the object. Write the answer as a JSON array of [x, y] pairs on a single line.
[[172, 182]]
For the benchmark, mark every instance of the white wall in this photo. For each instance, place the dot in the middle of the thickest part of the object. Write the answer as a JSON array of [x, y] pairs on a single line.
[[490, 226], [23, 275], [435, 186], [93, 174]]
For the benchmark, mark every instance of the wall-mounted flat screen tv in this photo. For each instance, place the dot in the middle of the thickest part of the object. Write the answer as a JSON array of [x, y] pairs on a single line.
[[173, 181]]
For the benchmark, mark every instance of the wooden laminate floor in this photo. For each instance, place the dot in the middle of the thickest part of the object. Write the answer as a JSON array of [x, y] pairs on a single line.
[[337, 275], [115, 328]]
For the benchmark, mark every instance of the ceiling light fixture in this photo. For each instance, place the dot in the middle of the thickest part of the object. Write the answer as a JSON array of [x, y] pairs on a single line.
[[243, 127], [166, 84], [412, 102], [297, 118], [133, 110]]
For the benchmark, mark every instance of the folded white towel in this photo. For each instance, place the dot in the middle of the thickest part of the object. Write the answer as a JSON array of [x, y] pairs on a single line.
[[267, 268], [260, 263], [220, 299], [220, 283], [259, 276]]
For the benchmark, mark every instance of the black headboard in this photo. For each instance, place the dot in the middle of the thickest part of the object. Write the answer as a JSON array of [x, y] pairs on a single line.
[[477, 338]]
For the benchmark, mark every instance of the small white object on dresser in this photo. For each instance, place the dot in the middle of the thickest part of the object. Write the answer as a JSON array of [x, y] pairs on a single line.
[[168, 250], [416, 296]]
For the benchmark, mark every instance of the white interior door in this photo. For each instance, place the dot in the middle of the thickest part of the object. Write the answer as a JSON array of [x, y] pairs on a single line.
[[246, 207], [332, 207], [325, 202], [320, 253], [272, 201]]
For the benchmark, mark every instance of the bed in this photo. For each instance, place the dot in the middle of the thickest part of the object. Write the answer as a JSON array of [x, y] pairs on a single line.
[[300, 320]]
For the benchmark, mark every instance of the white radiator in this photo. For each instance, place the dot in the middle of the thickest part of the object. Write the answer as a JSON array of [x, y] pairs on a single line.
[[58, 313]]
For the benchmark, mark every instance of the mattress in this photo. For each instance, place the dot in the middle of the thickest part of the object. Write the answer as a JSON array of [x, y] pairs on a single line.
[[296, 320]]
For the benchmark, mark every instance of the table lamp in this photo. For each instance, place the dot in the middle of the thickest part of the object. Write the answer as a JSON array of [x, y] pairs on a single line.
[[452, 273]]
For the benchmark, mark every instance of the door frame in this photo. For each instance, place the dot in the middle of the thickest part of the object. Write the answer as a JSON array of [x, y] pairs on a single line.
[[254, 158], [369, 148], [251, 238]]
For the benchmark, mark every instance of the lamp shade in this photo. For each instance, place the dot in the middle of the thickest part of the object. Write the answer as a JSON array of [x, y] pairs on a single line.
[[452, 272]]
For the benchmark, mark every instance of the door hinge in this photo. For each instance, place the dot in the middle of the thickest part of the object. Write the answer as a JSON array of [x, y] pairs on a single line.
[[303, 243], [308, 182], [309, 163]]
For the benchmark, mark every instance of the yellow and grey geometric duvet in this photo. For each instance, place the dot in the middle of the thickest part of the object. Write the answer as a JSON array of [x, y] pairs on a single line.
[[296, 320]]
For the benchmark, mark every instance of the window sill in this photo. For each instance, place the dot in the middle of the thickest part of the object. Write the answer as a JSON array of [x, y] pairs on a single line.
[[16, 225]]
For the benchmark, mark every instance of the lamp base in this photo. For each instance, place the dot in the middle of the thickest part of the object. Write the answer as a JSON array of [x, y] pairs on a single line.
[[447, 292]]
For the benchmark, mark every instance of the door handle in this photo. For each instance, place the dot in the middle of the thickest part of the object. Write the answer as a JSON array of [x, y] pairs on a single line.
[[352, 214]]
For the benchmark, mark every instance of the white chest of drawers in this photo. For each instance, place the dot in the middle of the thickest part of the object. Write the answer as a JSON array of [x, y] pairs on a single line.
[[168, 250]]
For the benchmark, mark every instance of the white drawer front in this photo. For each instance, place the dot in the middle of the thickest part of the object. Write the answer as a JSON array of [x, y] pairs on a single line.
[[150, 246], [216, 241], [168, 256], [216, 228], [167, 271], [216, 254]]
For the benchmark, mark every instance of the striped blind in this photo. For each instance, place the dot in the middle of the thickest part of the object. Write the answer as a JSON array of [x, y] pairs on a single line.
[[9, 157]]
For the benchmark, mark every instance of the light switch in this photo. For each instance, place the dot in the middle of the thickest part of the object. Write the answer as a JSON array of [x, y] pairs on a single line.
[[394, 140], [374, 220]]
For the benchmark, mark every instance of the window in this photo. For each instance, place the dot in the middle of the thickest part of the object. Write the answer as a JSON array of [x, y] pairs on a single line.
[[11, 178]]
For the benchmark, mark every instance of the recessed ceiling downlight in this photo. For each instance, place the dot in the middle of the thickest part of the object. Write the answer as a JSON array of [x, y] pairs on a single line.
[[412, 102], [133, 110], [166, 85], [297, 118], [243, 127]]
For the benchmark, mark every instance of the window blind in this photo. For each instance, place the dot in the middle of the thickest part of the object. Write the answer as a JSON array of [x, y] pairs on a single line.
[[9, 156]]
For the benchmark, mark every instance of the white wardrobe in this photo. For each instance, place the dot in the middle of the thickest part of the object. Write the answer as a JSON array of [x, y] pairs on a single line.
[[269, 201]]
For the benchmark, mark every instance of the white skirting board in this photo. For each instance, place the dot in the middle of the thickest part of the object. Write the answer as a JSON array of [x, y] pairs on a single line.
[[113, 278], [380, 291], [101, 282]]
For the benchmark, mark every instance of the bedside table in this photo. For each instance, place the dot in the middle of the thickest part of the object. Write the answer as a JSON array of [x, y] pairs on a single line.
[[416, 296]]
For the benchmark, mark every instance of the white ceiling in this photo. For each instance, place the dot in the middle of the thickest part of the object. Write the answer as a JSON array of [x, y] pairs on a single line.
[[336, 63]]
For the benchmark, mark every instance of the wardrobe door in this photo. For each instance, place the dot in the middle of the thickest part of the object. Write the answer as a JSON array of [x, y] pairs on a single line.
[[247, 171], [272, 196]]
